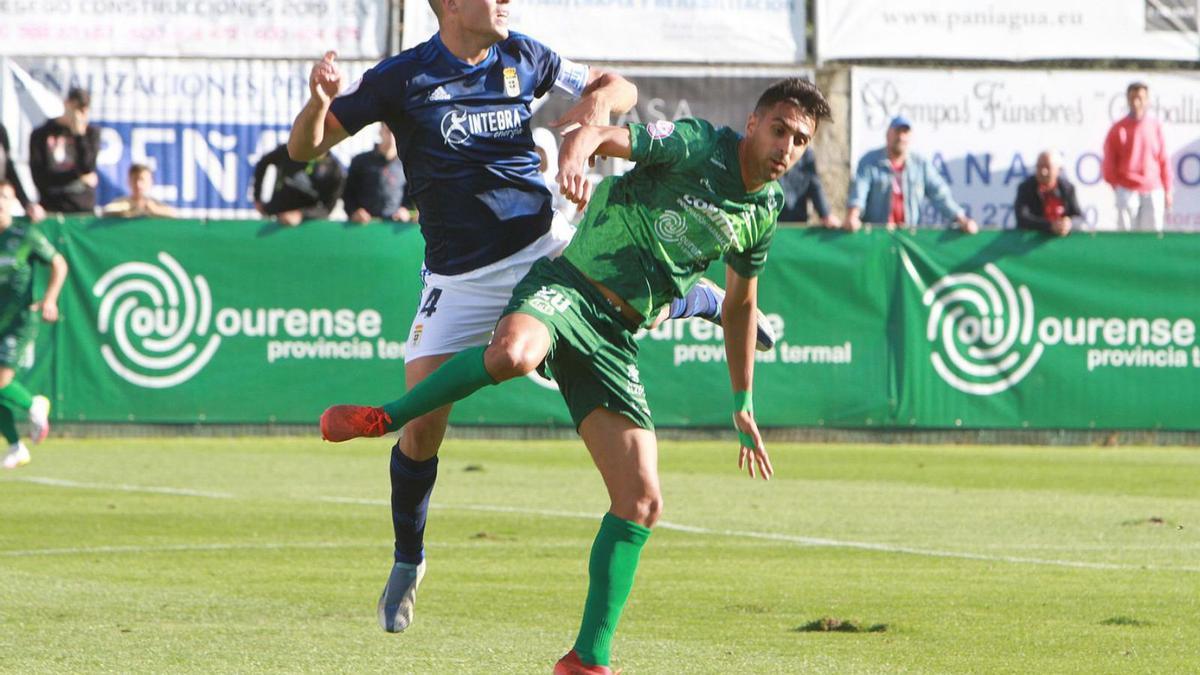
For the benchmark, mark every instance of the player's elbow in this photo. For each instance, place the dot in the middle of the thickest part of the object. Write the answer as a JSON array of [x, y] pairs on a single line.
[[300, 151]]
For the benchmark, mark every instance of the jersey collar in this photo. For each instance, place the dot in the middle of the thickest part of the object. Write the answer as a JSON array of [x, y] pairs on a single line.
[[458, 63]]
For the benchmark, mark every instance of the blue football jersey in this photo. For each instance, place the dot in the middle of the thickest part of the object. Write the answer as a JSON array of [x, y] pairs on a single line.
[[463, 133]]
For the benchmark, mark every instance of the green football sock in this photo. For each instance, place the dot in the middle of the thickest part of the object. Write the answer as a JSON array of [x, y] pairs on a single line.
[[613, 564], [8, 425], [16, 396], [455, 379]]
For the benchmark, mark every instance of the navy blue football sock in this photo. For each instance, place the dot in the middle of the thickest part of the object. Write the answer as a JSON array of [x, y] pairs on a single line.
[[701, 301], [412, 483]]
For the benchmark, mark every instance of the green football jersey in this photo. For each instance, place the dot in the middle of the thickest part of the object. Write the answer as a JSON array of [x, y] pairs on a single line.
[[650, 234], [18, 244]]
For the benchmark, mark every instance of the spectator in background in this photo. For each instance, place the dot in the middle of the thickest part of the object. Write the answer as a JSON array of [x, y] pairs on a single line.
[[139, 202], [62, 157], [303, 190], [375, 184], [892, 185], [1135, 165], [802, 185], [1046, 200], [8, 174]]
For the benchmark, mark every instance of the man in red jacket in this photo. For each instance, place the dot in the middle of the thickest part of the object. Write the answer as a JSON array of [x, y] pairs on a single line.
[[1136, 165]]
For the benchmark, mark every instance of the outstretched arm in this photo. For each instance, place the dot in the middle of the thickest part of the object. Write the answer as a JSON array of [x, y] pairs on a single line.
[[579, 147], [738, 316], [315, 130], [606, 93]]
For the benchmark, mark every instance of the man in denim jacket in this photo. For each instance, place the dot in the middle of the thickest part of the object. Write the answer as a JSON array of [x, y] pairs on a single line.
[[891, 186]]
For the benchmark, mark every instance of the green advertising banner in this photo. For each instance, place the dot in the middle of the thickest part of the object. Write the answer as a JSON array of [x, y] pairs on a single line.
[[239, 322]]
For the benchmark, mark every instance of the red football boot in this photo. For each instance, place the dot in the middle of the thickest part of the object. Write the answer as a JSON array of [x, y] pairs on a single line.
[[343, 422], [571, 665]]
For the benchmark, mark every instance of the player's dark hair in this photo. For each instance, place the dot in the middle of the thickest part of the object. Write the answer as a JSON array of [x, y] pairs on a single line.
[[79, 96], [799, 92], [136, 169], [436, 6], [4, 182], [1136, 86]]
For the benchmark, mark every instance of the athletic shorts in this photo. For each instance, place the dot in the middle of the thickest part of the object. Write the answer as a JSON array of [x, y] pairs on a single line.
[[593, 356], [17, 336], [460, 311]]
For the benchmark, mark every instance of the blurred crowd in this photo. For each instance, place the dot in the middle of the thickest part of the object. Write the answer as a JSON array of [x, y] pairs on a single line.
[[891, 185]]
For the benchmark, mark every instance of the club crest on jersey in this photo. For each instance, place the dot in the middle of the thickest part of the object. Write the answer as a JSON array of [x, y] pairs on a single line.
[[772, 199], [512, 85], [660, 129]]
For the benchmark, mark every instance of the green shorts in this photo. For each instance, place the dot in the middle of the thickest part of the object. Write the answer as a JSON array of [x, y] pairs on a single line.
[[593, 356], [17, 336]]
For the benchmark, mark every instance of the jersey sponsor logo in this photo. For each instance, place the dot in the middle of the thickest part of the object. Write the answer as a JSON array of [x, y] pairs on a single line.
[[670, 227], [716, 221], [512, 84], [660, 129], [459, 127], [159, 326], [439, 94]]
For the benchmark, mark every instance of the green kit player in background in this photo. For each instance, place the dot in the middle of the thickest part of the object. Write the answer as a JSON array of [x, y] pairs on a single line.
[[698, 194], [19, 316]]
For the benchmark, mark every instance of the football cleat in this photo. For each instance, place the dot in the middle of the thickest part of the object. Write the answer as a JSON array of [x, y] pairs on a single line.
[[572, 665], [18, 455], [39, 419], [765, 334], [343, 422], [399, 595]]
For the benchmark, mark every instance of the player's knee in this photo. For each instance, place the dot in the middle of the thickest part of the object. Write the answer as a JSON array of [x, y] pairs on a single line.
[[510, 356], [6, 376], [646, 509]]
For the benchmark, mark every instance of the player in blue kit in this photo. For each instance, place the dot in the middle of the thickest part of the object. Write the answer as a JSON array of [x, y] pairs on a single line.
[[459, 107]]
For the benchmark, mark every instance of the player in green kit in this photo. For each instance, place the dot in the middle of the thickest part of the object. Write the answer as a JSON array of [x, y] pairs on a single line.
[[19, 247], [698, 194]]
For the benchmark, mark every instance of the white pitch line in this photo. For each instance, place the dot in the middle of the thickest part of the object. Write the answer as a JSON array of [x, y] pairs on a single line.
[[122, 487], [169, 548], [664, 525], [791, 539]]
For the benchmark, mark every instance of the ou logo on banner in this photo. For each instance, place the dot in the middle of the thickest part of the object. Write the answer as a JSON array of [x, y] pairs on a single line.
[[992, 320], [158, 318]]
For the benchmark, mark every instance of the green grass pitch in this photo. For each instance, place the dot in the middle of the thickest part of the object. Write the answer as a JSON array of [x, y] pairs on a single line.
[[218, 555]]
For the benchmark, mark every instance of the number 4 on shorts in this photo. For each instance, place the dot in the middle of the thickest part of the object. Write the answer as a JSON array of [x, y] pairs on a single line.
[[431, 301]]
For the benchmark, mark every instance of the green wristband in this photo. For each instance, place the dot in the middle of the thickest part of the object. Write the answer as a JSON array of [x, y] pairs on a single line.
[[743, 401]]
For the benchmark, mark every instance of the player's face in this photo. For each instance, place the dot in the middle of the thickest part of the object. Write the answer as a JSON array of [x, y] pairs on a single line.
[[777, 138], [484, 17], [7, 197]]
